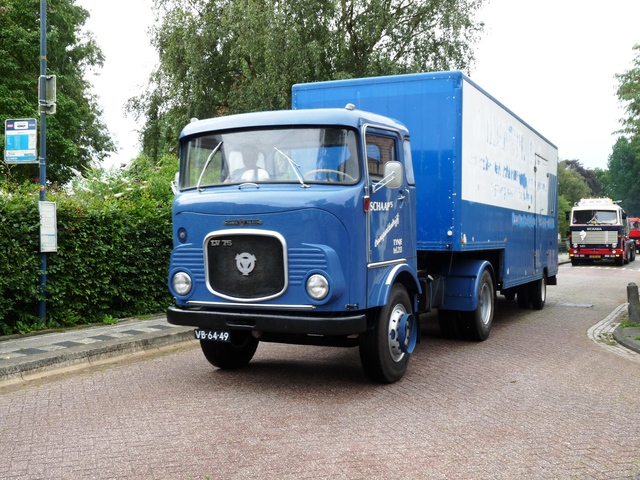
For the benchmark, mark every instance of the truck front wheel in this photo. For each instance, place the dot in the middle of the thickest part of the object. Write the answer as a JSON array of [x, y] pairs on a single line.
[[234, 354], [382, 357]]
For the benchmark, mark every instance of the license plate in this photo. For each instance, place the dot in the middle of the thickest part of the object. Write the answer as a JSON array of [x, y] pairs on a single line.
[[212, 335], [595, 256]]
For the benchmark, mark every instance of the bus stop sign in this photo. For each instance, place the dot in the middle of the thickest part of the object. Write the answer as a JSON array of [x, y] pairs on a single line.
[[20, 141]]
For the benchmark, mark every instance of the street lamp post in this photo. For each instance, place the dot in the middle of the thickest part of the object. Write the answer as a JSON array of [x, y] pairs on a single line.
[[42, 306]]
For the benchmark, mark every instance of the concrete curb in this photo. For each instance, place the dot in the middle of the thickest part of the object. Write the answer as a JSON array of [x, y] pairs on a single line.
[[626, 337], [37, 365]]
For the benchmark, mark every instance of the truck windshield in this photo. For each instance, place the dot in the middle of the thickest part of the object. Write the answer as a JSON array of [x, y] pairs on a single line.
[[289, 155], [595, 217]]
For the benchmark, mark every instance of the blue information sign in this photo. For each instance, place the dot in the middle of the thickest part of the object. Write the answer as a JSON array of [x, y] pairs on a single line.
[[20, 141]]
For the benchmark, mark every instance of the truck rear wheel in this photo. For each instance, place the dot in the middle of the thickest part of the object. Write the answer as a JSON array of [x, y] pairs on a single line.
[[477, 324], [234, 354], [539, 293], [524, 296], [381, 354]]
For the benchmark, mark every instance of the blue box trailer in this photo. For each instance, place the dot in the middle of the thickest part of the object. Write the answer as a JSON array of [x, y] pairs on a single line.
[[343, 220], [485, 180]]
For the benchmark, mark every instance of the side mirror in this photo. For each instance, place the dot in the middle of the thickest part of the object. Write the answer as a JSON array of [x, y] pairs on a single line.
[[175, 183], [394, 172], [566, 215]]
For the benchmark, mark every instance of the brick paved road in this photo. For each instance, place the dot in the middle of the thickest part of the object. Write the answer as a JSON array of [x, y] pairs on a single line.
[[539, 399]]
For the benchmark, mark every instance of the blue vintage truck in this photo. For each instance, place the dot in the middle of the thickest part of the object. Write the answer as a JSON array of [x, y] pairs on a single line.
[[341, 221]]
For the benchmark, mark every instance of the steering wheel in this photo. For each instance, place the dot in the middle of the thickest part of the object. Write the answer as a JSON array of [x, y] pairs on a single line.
[[327, 171]]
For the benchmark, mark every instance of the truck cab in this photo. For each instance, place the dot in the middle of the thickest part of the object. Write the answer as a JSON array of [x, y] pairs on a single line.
[[296, 228], [599, 230]]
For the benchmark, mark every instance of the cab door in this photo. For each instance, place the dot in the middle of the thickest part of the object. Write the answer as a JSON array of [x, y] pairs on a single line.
[[389, 216]]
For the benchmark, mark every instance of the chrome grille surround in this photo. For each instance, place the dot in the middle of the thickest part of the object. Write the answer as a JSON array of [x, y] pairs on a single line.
[[246, 265]]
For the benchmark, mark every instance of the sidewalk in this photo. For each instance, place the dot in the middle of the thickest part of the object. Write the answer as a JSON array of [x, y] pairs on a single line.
[[628, 337], [29, 356]]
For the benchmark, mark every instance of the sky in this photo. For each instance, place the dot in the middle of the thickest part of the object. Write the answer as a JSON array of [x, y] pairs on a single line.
[[551, 62]]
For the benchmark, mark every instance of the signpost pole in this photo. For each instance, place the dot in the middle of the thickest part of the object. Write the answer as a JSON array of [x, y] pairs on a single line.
[[42, 306]]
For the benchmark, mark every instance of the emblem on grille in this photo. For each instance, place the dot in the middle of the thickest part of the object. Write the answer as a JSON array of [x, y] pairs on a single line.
[[583, 235], [245, 262]]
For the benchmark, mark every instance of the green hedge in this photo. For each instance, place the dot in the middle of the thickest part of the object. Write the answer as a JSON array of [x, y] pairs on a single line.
[[112, 259]]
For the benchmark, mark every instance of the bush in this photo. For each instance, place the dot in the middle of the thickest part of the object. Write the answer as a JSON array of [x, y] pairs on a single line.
[[114, 244]]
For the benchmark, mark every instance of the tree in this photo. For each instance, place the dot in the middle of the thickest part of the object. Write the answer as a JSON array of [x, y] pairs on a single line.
[[590, 177], [76, 134], [223, 56], [624, 162], [624, 169], [572, 186], [629, 93], [605, 183]]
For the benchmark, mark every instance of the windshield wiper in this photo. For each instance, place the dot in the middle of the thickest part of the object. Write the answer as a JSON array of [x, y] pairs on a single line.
[[206, 164], [294, 166]]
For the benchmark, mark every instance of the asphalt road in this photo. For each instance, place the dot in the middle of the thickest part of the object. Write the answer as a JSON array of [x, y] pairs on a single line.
[[541, 398]]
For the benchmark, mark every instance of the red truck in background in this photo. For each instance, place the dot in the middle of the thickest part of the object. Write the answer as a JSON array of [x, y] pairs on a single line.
[[634, 231], [599, 230]]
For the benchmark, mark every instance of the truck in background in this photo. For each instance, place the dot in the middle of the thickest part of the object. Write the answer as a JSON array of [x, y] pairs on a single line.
[[634, 232], [599, 230], [341, 221]]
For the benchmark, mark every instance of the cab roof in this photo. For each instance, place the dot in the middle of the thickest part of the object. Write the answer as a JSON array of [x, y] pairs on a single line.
[[340, 117]]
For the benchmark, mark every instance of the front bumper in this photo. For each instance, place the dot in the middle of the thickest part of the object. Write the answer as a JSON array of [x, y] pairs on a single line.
[[269, 322]]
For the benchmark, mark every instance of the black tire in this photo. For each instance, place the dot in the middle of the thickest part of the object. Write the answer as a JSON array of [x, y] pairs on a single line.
[[524, 296], [574, 262], [477, 324], [619, 261], [232, 355], [449, 321], [539, 293], [381, 357], [509, 294]]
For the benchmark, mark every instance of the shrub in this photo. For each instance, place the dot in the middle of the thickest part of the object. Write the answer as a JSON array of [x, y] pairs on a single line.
[[114, 244]]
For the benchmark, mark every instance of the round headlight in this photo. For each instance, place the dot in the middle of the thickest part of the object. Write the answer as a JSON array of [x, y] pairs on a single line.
[[317, 287], [182, 235], [181, 283]]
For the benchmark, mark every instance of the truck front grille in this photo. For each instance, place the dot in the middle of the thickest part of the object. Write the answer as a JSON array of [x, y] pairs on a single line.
[[244, 266], [601, 237]]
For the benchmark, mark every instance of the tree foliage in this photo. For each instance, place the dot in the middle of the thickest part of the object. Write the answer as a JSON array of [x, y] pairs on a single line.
[[590, 177], [572, 186], [223, 56], [629, 94], [624, 162], [114, 242], [75, 133], [624, 171]]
